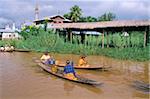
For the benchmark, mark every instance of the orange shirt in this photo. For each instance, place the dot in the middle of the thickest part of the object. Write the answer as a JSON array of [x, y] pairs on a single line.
[[82, 62]]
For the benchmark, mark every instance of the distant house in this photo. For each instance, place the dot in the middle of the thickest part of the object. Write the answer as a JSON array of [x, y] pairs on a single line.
[[51, 20], [9, 33]]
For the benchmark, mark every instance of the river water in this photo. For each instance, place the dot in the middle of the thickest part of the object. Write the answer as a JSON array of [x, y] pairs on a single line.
[[21, 78]]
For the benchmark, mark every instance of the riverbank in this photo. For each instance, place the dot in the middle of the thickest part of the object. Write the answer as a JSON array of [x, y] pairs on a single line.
[[137, 54]]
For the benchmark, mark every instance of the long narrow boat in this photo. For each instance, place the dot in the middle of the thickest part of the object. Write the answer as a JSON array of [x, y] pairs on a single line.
[[84, 67], [61, 75], [142, 85], [21, 50], [7, 51]]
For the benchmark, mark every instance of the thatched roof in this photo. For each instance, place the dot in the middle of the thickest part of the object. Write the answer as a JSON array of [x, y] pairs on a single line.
[[106, 24]]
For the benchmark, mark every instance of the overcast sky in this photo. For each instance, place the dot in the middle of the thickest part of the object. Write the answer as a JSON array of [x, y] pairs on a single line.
[[19, 10]]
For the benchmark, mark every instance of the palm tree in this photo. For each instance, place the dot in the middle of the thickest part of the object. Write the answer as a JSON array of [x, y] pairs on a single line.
[[75, 13]]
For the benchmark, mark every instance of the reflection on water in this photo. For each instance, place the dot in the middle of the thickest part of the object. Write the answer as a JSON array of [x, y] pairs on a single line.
[[68, 87], [20, 78]]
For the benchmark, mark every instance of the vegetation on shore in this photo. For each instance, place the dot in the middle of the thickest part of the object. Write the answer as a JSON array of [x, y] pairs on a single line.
[[37, 39]]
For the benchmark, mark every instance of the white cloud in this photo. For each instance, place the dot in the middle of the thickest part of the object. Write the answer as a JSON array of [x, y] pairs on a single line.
[[134, 7], [4, 20], [19, 10], [46, 7]]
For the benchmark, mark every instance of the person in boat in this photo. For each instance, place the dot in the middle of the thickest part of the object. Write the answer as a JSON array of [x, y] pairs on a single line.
[[49, 60], [45, 58], [7, 48], [2, 48], [69, 71], [12, 47], [82, 62]]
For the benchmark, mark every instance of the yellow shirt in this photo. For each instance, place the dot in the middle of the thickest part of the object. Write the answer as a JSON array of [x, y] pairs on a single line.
[[82, 62], [45, 57]]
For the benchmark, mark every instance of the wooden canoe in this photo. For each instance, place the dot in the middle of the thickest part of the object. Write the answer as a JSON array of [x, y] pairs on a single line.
[[21, 50], [7, 51], [89, 67], [139, 85], [142, 84], [60, 74]]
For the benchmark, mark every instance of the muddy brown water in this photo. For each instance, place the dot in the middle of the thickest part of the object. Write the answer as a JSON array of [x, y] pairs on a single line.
[[21, 78]]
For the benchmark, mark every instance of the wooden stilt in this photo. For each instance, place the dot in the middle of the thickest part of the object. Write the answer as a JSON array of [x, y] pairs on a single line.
[[70, 35], [103, 39], [147, 36], [107, 40], [82, 37], [144, 44]]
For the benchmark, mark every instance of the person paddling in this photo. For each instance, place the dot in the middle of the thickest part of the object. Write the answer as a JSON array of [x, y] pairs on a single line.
[[82, 62], [69, 71]]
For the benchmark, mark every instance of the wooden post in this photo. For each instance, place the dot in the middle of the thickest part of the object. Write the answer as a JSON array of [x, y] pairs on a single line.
[[68, 32], [144, 44], [112, 43], [69, 35], [82, 37], [107, 40], [147, 36], [103, 39]]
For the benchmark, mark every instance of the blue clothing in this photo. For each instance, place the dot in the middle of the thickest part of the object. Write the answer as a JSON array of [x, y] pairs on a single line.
[[69, 69], [50, 62]]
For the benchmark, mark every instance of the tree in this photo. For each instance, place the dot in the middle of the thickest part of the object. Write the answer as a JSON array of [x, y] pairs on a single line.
[[67, 15], [91, 19], [107, 17], [82, 19], [75, 13], [29, 31], [88, 19]]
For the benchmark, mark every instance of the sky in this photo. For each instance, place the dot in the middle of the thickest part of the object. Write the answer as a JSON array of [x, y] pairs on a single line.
[[18, 11]]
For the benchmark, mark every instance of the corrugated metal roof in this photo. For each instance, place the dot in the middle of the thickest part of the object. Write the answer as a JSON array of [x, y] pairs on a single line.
[[106, 24]]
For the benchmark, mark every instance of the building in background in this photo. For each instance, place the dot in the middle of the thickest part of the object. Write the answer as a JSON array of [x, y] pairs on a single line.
[[55, 19], [49, 20], [9, 32]]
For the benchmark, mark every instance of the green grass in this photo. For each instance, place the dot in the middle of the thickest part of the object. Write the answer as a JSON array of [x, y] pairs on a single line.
[[122, 48]]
